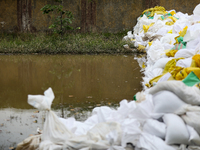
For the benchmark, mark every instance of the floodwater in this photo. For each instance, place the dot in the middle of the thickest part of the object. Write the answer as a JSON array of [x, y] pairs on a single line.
[[79, 82]]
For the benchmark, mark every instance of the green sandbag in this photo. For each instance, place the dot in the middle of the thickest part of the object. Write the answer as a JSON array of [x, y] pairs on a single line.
[[191, 79]]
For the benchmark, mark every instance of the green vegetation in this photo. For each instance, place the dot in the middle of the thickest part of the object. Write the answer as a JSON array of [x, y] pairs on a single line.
[[61, 18], [71, 43]]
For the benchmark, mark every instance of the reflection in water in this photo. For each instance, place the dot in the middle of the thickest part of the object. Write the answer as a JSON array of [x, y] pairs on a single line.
[[79, 82]]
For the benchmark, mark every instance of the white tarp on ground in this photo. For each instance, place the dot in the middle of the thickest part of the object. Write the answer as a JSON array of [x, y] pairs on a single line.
[[164, 117]]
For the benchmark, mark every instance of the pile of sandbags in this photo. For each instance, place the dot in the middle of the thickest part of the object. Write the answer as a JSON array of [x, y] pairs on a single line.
[[171, 41], [165, 115]]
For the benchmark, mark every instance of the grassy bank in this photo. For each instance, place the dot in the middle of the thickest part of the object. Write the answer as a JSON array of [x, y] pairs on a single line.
[[73, 43]]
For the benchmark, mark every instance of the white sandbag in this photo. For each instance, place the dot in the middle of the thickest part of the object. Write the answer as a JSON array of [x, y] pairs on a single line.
[[193, 43], [196, 10], [161, 63], [176, 132], [143, 110], [177, 27], [190, 95], [156, 51], [192, 119], [129, 36], [185, 53], [131, 131], [54, 130], [165, 77], [77, 127], [42, 102], [168, 46], [158, 24], [184, 62], [163, 31], [155, 127], [194, 136], [48, 145], [166, 102], [108, 132], [104, 113], [125, 108], [193, 148], [169, 38], [150, 142], [192, 33]]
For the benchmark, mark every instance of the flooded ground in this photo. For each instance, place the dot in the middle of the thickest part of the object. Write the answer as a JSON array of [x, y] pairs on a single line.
[[79, 82]]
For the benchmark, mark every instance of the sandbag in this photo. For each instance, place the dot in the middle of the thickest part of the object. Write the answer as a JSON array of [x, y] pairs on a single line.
[[31, 142], [167, 102], [192, 119], [190, 95], [54, 130], [150, 142], [176, 132], [155, 127], [196, 10], [161, 63], [184, 62], [185, 53], [194, 136]]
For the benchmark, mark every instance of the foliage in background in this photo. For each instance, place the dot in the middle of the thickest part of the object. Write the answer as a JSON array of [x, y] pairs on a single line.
[[62, 20], [73, 43]]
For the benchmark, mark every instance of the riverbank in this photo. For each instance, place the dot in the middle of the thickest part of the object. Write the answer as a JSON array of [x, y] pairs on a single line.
[[73, 43]]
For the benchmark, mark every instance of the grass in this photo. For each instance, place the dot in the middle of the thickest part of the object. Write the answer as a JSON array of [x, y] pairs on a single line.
[[72, 43]]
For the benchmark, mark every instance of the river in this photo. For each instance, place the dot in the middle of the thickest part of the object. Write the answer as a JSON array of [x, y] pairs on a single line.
[[79, 82]]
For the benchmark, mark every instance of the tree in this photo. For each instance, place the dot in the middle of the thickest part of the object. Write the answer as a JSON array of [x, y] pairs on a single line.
[[63, 18]]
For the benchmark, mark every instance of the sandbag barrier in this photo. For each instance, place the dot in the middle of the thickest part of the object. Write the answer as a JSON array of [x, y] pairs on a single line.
[[164, 116]]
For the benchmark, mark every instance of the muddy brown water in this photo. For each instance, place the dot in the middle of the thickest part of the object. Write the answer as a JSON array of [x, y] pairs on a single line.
[[79, 82]]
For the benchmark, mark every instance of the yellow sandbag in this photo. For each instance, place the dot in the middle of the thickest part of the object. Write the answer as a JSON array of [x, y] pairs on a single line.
[[169, 23], [174, 70], [143, 65], [159, 9], [171, 78], [170, 31], [159, 12], [146, 27], [173, 18], [193, 64], [183, 32], [147, 85], [155, 79], [150, 43], [141, 47], [183, 73], [197, 59], [171, 63], [172, 12], [171, 53]]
